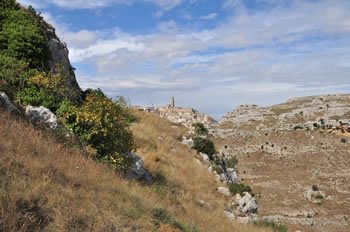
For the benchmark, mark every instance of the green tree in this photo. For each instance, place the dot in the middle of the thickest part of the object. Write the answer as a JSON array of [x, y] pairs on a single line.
[[204, 145], [199, 129]]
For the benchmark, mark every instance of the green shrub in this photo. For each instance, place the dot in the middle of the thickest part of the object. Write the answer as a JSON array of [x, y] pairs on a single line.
[[36, 97], [102, 124], [276, 227], [218, 169], [204, 145], [13, 74], [231, 162], [22, 37], [199, 129], [239, 188]]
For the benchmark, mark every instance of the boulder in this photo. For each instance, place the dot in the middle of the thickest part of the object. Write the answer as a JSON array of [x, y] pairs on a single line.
[[229, 215], [224, 190], [314, 195], [41, 116], [188, 142], [230, 176], [205, 157], [248, 204], [7, 105], [137, 170]]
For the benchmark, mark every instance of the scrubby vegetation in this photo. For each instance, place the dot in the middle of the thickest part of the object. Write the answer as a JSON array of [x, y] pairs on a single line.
[[204, 145], [200, 129], [239, 188]]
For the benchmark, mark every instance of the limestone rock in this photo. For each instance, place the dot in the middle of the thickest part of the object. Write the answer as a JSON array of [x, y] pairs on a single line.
[[137, 170], [188, 142], [248, 204], [224, 190], [6, 104], [314, 195], [58, 63], [41, 116], [229, 215], [205, 157]]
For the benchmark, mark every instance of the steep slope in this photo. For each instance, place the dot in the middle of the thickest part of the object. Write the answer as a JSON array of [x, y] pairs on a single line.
[[46, 186], [286, 150]]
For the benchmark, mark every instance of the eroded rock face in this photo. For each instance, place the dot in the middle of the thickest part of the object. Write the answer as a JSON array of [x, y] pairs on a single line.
[[41, 116], [58, 63], [7, 105], [137, 170]]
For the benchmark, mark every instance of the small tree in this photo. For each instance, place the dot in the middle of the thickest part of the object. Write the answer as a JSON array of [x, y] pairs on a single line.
[[199, 129], [204, 145]]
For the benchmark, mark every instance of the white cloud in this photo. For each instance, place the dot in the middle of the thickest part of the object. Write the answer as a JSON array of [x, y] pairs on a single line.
[[209, 16], [252, 57]]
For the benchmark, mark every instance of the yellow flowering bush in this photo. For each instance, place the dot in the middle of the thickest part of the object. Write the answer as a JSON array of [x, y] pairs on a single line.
[[102, 124]]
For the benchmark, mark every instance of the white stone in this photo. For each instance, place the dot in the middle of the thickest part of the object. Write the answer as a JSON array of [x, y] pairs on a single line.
[[224, 190], [41, 115]]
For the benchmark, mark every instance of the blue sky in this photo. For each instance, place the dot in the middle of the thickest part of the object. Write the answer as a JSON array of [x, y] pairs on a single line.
[[209, 54]]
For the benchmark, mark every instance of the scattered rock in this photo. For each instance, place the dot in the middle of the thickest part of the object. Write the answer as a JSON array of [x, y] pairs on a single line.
[[224, 190], [137, 170], [188, 142], [313, 194], [205, 157], [6, 104], [229, 215], [41, 116], [248, 204]]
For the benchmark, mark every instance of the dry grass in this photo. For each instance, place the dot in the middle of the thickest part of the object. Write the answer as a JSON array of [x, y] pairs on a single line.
[[44, 186]]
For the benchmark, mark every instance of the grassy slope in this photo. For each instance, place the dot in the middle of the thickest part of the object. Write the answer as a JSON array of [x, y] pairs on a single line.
[[45, 186]]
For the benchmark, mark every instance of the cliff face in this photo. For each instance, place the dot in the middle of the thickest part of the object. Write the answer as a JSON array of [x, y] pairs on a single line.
[[58, 62]]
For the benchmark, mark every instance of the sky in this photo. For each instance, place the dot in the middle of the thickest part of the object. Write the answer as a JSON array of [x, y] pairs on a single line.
[[211, 55]]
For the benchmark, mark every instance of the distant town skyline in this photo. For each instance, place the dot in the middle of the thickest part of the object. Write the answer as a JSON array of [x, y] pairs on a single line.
[[209, 55]]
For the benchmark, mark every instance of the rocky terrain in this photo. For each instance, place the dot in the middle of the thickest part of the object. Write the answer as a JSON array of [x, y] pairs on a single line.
[[296, 158]]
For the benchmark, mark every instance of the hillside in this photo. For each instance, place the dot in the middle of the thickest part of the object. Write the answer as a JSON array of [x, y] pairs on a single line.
[[287, 149], [47, 186]]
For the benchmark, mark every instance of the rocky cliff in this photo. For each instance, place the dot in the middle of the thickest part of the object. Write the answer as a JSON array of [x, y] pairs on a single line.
[[58, 61]]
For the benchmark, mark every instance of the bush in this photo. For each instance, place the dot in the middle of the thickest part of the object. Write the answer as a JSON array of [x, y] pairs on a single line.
[[102, 124], [37, 97], [204, 145], [22, 37], [231, 162], [239, 188], [199, 129], [13, 74]]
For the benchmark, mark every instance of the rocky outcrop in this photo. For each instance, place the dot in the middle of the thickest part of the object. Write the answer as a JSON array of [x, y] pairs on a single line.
[[41, 116], [243, 209], [137, 170], [58, 62], [314, 195], [7, 105], [186, 116], [309, 113]]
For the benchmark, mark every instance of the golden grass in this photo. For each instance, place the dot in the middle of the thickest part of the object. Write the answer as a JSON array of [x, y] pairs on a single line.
[[44, 186]]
